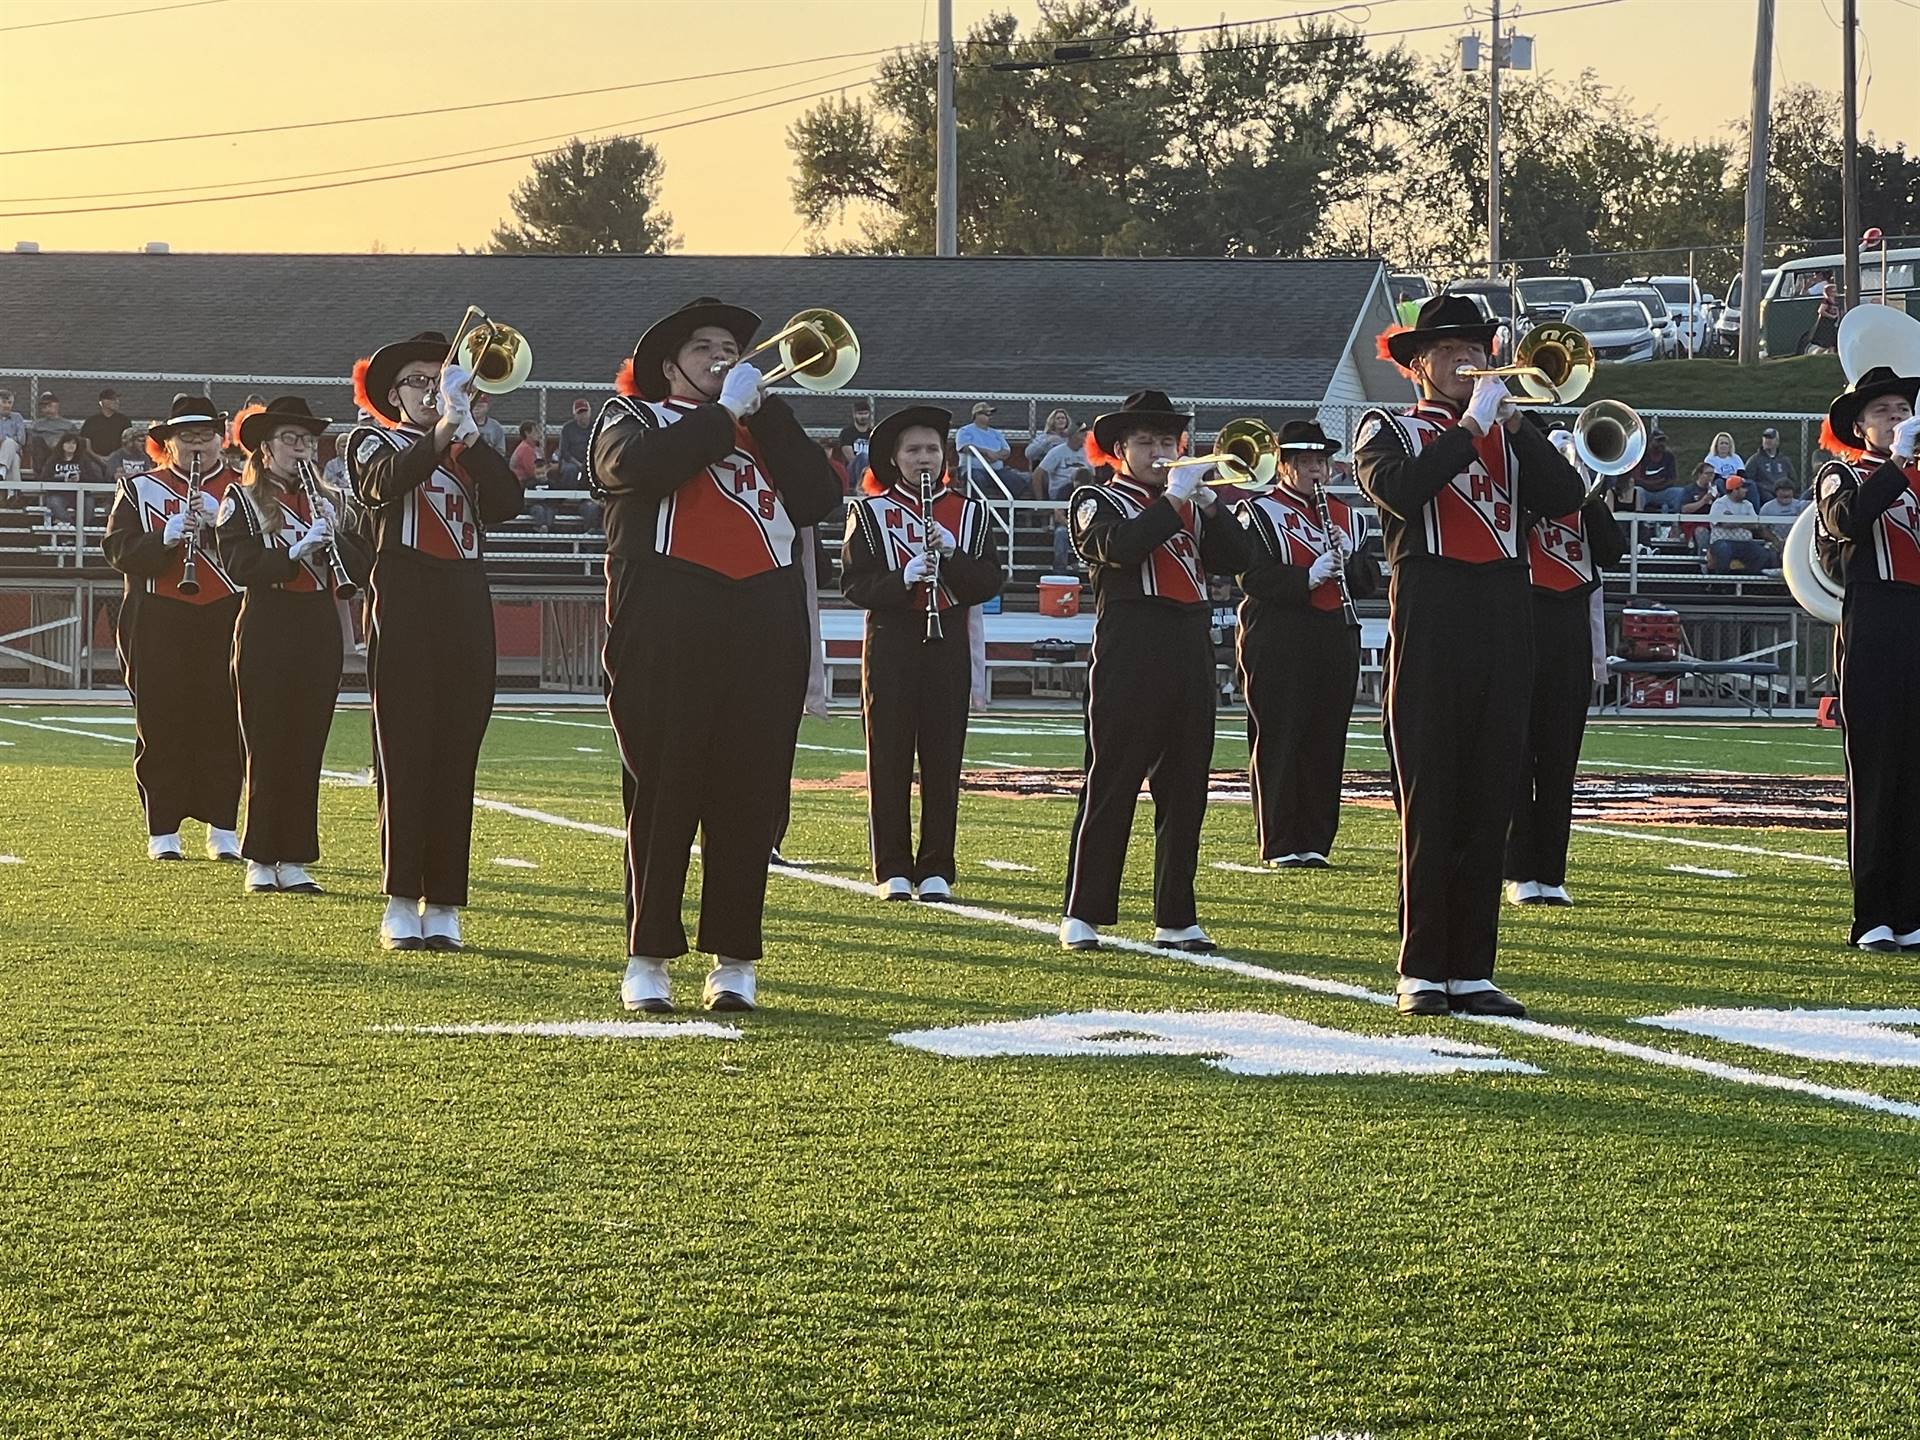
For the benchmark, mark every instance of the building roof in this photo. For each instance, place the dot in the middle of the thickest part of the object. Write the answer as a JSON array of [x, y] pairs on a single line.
[[1273, 329]]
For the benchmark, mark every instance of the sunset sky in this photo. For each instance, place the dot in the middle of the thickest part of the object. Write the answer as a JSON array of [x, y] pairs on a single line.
[[239, 63]]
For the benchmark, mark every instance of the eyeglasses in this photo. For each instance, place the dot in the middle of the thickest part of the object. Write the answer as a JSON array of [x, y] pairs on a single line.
[[413, 382], [297, 439]]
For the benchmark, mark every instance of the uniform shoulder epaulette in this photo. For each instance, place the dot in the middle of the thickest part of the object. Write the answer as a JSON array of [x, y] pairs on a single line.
[[1379, 420]]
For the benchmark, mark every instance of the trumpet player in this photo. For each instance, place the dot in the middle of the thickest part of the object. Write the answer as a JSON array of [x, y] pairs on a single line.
[[175, 632], [429, 492], [1150, 535], [1869, 507], [918, 554], [281, 539], [1300, 647], [706, 483], [1451, 476], [1565, 555]]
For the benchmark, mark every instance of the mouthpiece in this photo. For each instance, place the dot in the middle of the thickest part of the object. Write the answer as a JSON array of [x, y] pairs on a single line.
[[719, 367]]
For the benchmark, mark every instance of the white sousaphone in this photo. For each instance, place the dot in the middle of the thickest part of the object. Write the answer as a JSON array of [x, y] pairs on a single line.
[[1870, 335]]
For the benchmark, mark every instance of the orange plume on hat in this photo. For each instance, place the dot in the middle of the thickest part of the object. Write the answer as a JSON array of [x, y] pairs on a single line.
[[624, 380], [1834, 445], [1380, 347], [157, 451], [362, 398], [233, 429]]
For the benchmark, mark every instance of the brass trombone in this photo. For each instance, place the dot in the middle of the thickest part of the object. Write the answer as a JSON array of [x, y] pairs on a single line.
[[1554, 365], [818, 351], [1246, 452], [499, 356]]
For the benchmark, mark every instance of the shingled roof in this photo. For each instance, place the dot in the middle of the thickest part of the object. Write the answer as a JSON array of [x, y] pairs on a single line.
[[1275, 329]]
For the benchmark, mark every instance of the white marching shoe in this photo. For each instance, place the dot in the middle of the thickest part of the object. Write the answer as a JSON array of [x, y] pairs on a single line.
[[935, 888], [1313, 860], [1880, 939], [440, 926], [1554, 895], [261, 878], [222, 845], [400, 926], [1078, 935], [1523, 892], [730, 985], [646, 986], [295, 880], [163, 847], [1191, 938], [897, 888], [1283, 862], [1908, 941]]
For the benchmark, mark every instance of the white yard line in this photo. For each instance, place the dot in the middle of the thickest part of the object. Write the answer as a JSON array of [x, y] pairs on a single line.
[[1711, 874], [1726, 846], [64, 730]]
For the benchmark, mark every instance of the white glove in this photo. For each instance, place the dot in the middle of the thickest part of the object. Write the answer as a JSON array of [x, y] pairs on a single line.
[[318, 534], [1204, 497], [916, 569], [1489, 394], [1323, 569], [943, 540], [328, 513], [465, 430], [456, 395], [209, 511], [1183, 482], [1906, 436], [740, 391], [1563, 442], [176, 530]]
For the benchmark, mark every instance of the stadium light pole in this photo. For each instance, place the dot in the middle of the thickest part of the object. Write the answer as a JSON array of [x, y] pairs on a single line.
[[1752, 261], [1849, 160], [946, 176]]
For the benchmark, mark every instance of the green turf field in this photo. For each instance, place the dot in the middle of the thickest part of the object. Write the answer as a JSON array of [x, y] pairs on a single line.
[[236, 1201]]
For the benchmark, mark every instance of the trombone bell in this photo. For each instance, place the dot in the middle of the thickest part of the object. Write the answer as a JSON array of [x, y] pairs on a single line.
[[1609, 437], [818, 351], [499, 356], [1554, 366]]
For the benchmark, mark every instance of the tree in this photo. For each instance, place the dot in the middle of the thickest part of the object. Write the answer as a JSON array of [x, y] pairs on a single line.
[[592, 198]]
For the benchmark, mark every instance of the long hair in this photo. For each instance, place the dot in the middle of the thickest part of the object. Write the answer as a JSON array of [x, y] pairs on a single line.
[[267, 492], [1713, 445]]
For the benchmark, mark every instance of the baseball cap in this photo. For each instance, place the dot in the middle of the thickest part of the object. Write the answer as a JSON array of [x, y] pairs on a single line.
[[1769, 433], [981, 407], [1658, 435], [109, 394], [46, 395], [579, 405], [863, 406]]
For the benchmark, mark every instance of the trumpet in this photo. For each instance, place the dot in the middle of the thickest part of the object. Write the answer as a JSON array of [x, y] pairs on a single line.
[[818, 351], [190, 566], [1554, 365], [499, 356], [927, 531], [343, 586]]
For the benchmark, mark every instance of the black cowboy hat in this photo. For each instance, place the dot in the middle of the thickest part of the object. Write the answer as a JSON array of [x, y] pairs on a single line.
[[1444, 317], [1843, 416], [287, 410], [376, 379], [667, 334], [886, 436], [187, 410], [1304, 435], [1142, 410]]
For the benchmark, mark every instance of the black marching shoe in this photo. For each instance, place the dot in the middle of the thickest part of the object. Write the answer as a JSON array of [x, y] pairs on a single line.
[[1421, 1002], [1490, 1001]]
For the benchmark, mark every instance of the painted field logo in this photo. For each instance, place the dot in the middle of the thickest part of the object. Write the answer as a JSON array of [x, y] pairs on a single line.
[[1244, 1042]]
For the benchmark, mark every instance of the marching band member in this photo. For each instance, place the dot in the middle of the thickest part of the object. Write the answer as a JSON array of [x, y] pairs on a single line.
[[913, 688], [1565, 556], [176, 643], [1451, 476], [1150, 536], [287, 649], [1299, 658], [430, 650], [1870, 515], [706, 482]]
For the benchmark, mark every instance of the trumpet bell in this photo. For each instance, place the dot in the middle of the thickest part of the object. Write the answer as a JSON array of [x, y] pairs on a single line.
[[1818, 590], [818, 351], [1609, 437]]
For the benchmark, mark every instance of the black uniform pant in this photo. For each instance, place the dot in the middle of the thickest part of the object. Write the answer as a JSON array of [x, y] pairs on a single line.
[[177, 661], [1149, 715], [913, 699], [1460, 674], [1299, 669], [1880, 707], [707, 680], [1562, 690], [286, 668], [430, 668]]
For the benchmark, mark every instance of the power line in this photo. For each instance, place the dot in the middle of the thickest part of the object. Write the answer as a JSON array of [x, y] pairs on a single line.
[[411, 174], [110, 15]]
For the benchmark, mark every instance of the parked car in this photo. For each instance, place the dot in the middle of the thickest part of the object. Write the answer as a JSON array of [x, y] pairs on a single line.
[[1549, 297], [1694, 325], [1495, 299], [1657, 311], [1727, 326], [1788, 308], [1620, 331]]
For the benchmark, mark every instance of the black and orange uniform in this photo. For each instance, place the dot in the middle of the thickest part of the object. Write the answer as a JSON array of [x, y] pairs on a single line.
[[913, 691], [287, 654], [1564, 559], [1151, 690], [176, 653], [706, 654], [1869, 523], [1299, 666], [1460, 661], [430, 643]]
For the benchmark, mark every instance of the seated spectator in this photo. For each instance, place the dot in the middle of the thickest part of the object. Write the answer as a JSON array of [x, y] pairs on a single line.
[[1732, 543], [131, 458], [979, 435], [574, 436], [492, 433], [1767, 467], [1785, 505], [13, 440], [1721, 457], [46, 428], [851, 446], [530, 468], [1700, 497], [1657, 477], [334, 472], [104, 430], [1059, 431], [71, 464], [1060, 469]]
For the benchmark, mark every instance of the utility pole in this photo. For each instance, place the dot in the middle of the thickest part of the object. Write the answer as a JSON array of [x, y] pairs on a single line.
[[1753, 260], [1849, 143], [946, 223], [1493, 150]]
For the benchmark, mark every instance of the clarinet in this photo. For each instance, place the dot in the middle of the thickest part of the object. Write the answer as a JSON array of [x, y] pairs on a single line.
[[1340, 570], [343, 586], [190, 566], [927, 523]]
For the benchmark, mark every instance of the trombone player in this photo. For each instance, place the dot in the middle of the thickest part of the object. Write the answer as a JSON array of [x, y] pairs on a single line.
[[1451, 476]]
